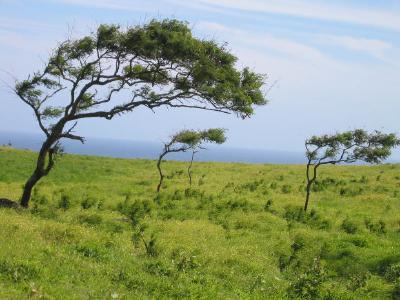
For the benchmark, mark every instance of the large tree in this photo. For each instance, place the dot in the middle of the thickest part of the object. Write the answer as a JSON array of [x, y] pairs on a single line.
[[346, 147], [113, 71], [189, 140]]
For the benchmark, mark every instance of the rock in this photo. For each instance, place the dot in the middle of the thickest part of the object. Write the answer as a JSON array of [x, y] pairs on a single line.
[[8, 203]]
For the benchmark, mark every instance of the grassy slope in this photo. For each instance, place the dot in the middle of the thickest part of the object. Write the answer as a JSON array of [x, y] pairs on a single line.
[[216, 241]]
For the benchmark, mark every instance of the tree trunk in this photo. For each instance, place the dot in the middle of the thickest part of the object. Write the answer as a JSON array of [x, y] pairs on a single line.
[[26, 195], [160, 171], [40, 171], [190, 169], [308, 195]]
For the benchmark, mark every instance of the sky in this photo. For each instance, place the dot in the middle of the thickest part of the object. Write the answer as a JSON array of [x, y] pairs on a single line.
[[331, 65]]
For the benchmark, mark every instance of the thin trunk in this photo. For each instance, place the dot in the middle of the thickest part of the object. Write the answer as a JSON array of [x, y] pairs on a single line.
[[41, 170], [160, 171], [190, 169], [310, 182], [308, 195], [28, 187]]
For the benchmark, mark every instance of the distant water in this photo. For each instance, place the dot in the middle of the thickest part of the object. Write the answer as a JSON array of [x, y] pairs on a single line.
[[151, 150]]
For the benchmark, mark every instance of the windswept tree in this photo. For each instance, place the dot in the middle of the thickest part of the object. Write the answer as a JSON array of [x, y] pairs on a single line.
[[346, 147], [189, 140], [114, 71]]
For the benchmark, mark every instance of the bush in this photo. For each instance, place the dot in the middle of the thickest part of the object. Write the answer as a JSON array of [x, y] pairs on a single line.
[[91, 220], [184, 261], [286, 189], [358, 280], [268, 206], [307, 285], [134, 211], [297, 213], [17, 272], [150, 244], [349, 227], [88, 202], [396, 292], [44, 212], [393, 272], [92, 251], [64, 202], [375, 227]]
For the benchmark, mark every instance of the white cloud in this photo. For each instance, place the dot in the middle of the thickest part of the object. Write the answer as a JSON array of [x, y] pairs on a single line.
[[313, 10], [320, 10], [289, 49], [373, 47]]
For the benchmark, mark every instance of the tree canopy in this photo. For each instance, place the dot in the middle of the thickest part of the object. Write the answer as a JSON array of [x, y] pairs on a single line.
[[346, 147], [189, 140], [113, 71]]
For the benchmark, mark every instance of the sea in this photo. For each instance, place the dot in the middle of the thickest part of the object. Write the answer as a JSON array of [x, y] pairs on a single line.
[[150, 150]]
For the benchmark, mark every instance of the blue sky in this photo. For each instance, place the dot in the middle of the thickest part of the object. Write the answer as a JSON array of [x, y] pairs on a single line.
[[335, 64]]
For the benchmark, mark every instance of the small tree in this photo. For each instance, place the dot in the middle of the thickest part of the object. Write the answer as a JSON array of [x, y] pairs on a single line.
[[114, 71], [189, 140], [346, 147]]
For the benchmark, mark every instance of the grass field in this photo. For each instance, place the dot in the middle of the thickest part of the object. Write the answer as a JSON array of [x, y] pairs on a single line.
[[97, 229]]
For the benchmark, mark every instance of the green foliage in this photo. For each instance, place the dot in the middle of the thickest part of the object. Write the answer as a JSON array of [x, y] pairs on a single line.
[[349, 226], [150, 245], [396, 292], [346, 147], [351, 146], [64, 202], [192, 139], [232, 237], [376, 227], [307, 285]]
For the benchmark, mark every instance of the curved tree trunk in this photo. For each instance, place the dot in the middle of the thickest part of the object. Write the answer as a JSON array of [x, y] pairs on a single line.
[[37, 174], [28, 187], [310, 181], [160, 171], [308, 195], [190, 169], [47, 152]]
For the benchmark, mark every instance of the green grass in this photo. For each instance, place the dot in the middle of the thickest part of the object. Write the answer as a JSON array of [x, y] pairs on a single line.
[[238, 233]]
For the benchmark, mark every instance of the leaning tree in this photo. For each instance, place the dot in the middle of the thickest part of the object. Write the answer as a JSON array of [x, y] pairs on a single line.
[[114, 71], [189, 140], [346, 147]]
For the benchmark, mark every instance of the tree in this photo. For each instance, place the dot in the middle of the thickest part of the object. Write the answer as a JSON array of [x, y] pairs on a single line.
[[113, 71], [346, 147], [189, 140]]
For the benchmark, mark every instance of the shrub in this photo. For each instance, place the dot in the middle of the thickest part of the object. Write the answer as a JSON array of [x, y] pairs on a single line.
[[64, 202], [88, 202], [150, 244], [184, 261], [307, 285], [376, 227], [297, 213], [286, 189], [359, 242], [92, 251], [349, 226], [17, 272], [358, 280], [91, 220], [273, 185], [268, 205], [134, 211], [393, 272], [396, 292], [177, 195], [44, 212]]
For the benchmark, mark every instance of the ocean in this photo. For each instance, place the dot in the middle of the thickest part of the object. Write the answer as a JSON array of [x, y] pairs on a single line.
[[150, 150]]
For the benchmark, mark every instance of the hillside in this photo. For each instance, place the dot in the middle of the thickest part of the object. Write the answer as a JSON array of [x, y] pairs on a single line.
[[238, 233]]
